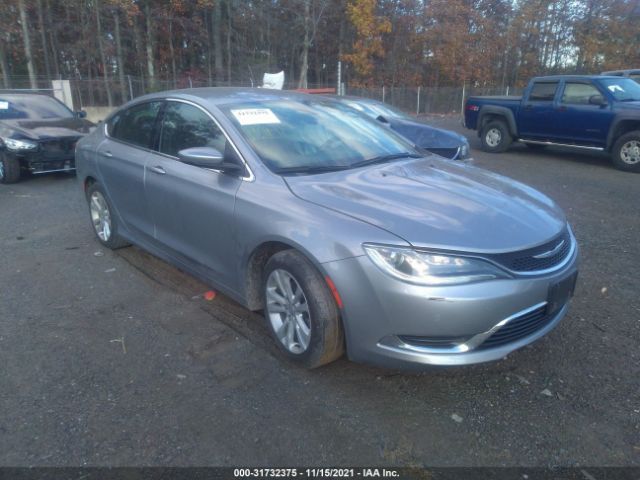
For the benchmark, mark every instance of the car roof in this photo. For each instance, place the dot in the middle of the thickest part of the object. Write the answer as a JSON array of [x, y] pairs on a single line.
[[617, 72], [225, 95], [568, 77]]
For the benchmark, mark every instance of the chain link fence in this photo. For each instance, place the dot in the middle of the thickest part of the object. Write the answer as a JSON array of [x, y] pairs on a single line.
[[98, 93]]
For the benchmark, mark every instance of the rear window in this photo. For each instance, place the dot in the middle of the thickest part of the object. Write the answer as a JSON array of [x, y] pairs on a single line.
[[135, 125], [543, 91]]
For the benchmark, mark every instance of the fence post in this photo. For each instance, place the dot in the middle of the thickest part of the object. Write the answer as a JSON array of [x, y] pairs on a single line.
[[190, 82], [463, 94], [130, 88], [507, 94], [418, 102], [382, 93]]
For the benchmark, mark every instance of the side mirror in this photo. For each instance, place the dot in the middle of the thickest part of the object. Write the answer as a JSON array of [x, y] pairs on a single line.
[[382, 119], [597, 100], [207, 157], [81, 114]]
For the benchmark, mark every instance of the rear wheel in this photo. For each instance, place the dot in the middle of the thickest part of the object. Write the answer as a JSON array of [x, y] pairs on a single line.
[[626, 152], [105, 224], [300, 310], [9, 168], [495, 137]]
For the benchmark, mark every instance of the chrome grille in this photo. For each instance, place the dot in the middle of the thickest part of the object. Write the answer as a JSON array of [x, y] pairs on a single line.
[[542, 257]]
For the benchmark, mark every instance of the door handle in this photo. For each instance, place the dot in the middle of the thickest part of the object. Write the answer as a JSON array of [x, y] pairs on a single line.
[[158, 169], [106, 154]]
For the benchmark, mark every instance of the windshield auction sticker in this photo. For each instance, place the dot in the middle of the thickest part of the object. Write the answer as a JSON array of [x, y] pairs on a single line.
[[255, 116], [4, 105]]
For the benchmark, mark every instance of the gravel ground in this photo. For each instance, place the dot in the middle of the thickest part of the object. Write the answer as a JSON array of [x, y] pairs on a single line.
[[116, 359]]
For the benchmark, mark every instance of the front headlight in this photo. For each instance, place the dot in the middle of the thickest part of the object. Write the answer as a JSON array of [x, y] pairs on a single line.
[[19, 145], [433, 269]]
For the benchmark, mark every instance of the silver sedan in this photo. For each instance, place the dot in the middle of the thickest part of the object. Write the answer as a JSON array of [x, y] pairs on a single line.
[[344, 234]]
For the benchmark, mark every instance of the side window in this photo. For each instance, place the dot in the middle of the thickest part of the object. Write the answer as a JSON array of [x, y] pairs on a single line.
[[135, 125], [578, 93], [543, 91], [185, 126]]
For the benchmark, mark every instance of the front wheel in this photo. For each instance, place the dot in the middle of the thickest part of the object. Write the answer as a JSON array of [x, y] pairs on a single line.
[[9, 168], [300, 310], [495, 137], [626, 152]]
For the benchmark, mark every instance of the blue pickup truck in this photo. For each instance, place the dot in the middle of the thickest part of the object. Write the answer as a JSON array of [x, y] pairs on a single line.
[[585, 112]]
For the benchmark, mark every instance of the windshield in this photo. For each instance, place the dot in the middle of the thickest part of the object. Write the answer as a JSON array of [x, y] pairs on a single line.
[[375, 109], [311, 136], [623, 89], [31, 107]]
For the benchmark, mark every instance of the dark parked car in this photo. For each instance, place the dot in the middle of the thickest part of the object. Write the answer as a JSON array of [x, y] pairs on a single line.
[[38, 134], [586, 112], [442, 142], [633, 74], [337, 228]]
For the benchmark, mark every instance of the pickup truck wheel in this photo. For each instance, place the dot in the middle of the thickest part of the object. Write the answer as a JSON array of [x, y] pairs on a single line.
[[626, 152], [300, 310], [105, 224], [9, 168], [495, 137]]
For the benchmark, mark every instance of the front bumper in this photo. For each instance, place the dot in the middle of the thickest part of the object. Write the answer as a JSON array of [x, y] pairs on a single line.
[[36, 162], [380, 313]]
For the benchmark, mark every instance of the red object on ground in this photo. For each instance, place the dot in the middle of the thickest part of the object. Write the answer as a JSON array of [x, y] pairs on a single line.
[[209, 295]]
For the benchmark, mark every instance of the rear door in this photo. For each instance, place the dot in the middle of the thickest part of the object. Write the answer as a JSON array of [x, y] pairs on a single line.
[[122, 158], [579, 121], [193, 207], [536, 112]]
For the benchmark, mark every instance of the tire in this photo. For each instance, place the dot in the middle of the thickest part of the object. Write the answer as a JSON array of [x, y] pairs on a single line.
[[9, 168], [535, 146], [101, 214], [495, 137], [314, 309], [626, 152]]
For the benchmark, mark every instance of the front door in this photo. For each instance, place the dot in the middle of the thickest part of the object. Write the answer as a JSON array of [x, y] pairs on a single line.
[[192, 207], [578, 120]]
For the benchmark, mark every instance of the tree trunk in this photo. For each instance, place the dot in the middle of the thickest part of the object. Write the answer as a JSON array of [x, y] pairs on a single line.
[[217, 39], [120, 63], [4, 65], [43, 39], [229, 41], [103, 57], [172, 53], [52, 40], [150, 47], [304, 68], [27, 45]]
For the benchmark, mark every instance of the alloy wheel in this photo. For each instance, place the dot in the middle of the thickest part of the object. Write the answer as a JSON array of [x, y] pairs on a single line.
[[288, 311], [630, 152], [100, 216]]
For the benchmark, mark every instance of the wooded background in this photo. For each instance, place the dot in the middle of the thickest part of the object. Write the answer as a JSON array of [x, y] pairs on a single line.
[[116, 46]]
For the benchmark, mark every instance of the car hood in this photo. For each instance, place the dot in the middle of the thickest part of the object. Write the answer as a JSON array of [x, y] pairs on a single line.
[[434, 203], [426, 136], [635, 105], [47, 129]]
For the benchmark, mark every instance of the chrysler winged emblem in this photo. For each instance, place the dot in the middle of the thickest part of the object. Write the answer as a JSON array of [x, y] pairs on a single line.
[[551, 252]]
